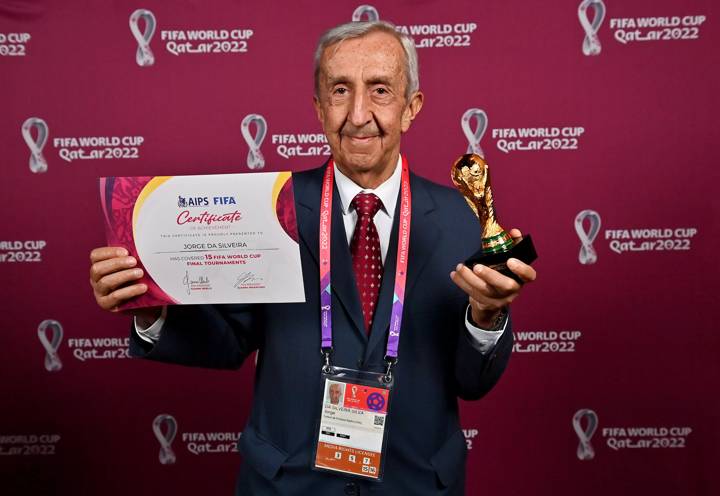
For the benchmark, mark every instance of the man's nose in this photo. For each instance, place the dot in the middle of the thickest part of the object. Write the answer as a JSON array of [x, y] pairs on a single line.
[[360, 110]]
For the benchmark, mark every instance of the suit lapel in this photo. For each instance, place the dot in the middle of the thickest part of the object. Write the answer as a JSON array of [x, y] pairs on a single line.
[[343, 279], [424, 230], [343, 276], [307, 197]]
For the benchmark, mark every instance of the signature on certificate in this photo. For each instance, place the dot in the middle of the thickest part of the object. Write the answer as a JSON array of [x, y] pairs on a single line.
[[203, 282], [245, 279]]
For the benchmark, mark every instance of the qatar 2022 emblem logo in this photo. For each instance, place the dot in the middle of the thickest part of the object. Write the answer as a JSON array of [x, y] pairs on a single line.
[[36, 144], [585, 450], [366, 13], [591, 42], [51, 343], [255, 159], [164, 427], [143, 55], [587, 255], [474, 136]]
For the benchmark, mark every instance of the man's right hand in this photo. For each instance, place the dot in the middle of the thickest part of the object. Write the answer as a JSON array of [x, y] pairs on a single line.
[[111, 276]]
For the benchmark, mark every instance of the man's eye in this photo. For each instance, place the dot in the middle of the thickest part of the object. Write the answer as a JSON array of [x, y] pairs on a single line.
[[340, 91], [382, 91]]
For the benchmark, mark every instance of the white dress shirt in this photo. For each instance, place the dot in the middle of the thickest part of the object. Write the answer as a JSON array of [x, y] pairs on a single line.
[[388, 192]]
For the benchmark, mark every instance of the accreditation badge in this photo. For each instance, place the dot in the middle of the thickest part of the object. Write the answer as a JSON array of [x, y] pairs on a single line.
[[352, 432]]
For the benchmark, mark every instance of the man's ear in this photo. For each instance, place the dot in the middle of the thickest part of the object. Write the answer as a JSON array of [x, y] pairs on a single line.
[[412, 110], [318, 109]]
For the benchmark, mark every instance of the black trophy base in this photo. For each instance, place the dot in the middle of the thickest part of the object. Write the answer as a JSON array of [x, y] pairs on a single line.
[[523, 251]]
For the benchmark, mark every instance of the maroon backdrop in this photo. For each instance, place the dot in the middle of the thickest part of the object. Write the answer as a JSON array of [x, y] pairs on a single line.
[[620, 335]]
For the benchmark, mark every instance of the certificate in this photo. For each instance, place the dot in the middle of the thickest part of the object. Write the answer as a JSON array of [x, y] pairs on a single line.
[[225, 238]]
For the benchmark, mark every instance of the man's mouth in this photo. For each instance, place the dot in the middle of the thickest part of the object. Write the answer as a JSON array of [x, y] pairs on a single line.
[[361, 139]]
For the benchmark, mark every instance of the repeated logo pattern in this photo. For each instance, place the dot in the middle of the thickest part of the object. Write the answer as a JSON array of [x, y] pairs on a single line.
[[255, 159], [165, 428], [51, 344], [144, 55]]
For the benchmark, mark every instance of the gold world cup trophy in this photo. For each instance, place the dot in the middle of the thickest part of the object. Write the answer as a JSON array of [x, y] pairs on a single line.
[[471, 177]]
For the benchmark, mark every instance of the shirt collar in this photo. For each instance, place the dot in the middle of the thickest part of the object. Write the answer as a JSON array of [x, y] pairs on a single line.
[[387, 191]]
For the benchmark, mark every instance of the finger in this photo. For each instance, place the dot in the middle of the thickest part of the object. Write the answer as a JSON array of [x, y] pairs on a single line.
[[105, 252], [464, 284], [98, 270], [478, 288], [479, 301], [116, 298], [111, 282], [502, 285], [515, 234], [525, 271]]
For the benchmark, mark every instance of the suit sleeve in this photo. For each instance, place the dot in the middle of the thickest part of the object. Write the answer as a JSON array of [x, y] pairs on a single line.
[[210, 336], [477, 373]]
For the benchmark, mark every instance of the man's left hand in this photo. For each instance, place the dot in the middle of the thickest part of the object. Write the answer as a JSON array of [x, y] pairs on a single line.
[[490, 291]]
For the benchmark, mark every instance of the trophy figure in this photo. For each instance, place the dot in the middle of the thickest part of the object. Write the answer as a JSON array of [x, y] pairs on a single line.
[[471, 176]]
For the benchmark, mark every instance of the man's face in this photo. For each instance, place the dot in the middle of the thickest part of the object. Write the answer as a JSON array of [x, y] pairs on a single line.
[[361, 102], [334, 394]]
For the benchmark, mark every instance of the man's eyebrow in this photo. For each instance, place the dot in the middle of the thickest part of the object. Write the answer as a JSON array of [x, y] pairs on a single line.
[[333, 80], [371, 81], [379, 80]]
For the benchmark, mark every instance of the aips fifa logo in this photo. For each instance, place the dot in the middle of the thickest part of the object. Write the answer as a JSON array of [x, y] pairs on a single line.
[[474, 136], [51, 343], [36, 144], [587, 254], [591, 43], [143, 56], [165, 428], [584, 433], [366, 13], [255, 159]]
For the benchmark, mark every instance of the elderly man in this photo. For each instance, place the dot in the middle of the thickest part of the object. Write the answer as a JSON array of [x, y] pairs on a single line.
[[455, 338]]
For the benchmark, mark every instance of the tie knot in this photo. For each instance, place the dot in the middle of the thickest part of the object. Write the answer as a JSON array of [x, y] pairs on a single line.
[[366, 204]]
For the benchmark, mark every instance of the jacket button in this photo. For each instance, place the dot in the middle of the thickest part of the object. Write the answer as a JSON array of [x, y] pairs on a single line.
[[359, 363], [351, 489]]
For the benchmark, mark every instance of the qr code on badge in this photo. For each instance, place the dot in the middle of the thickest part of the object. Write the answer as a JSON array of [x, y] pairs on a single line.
[[379, 420]]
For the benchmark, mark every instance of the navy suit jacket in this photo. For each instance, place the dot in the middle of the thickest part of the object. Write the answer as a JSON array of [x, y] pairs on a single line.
[[437, 361]]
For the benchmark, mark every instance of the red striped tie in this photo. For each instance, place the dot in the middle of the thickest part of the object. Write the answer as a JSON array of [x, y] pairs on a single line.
[[365, 249]]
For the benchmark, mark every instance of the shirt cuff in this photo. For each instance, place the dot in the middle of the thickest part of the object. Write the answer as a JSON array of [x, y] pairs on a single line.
[[150, 331], [482, 339]]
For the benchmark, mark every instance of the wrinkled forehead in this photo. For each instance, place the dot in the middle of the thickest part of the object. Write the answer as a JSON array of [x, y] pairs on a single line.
[[374, 53]]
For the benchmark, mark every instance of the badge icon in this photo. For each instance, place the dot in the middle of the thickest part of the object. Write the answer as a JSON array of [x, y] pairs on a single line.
[[166, 437], [51, 345], [587, 254], [474, 136], [36, 145], [591, 42], [585, 450], [255, 159], [143, 56], [375, 401]]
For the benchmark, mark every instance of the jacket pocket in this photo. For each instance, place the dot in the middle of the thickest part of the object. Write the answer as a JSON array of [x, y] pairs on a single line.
[[261, 454], [449, 460]]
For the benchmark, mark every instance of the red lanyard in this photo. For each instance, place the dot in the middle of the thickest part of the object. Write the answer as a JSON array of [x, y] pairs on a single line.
[[403, 249]]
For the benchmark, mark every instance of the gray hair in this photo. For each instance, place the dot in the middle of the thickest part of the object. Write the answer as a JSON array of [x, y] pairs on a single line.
[[356, 29]]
